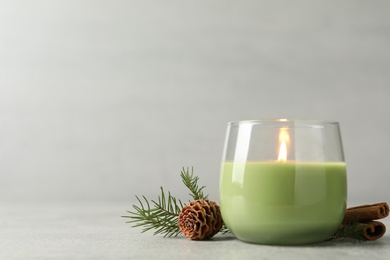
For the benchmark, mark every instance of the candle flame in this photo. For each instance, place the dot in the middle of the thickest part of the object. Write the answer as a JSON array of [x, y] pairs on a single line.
[[284, 140]]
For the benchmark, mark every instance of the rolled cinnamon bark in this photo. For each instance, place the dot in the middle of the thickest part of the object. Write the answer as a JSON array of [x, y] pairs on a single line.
[[366, 213], [371, 230]]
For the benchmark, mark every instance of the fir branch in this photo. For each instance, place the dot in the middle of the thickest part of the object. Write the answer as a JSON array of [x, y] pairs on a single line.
[[160, 215], [224, 230], [352, 230], [191, 182]]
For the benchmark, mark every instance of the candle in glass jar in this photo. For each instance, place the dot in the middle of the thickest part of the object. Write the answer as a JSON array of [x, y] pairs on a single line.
[[283, 201]]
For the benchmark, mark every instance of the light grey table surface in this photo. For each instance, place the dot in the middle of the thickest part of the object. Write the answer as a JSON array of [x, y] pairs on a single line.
[[95, 230]]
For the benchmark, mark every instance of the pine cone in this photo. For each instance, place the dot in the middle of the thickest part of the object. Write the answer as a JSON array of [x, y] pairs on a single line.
[[200, 219]]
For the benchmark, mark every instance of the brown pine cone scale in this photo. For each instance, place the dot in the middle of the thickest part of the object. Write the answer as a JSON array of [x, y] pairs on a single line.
[[200, 219]]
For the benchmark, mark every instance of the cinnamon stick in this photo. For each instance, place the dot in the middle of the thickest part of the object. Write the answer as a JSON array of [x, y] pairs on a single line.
[[371, 230], [366, 213]]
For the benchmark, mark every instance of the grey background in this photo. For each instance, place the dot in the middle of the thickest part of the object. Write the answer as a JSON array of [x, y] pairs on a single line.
[[104, 100]]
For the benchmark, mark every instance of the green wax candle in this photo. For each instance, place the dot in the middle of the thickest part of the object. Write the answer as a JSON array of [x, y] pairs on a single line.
[[283, 202]]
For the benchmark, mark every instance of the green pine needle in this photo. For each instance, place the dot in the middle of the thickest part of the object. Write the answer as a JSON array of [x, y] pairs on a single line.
[[160, 215], [353, 230], [191, 182], [224, 229]]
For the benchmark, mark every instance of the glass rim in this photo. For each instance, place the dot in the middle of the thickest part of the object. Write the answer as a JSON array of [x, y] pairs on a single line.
[[284, 121]]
